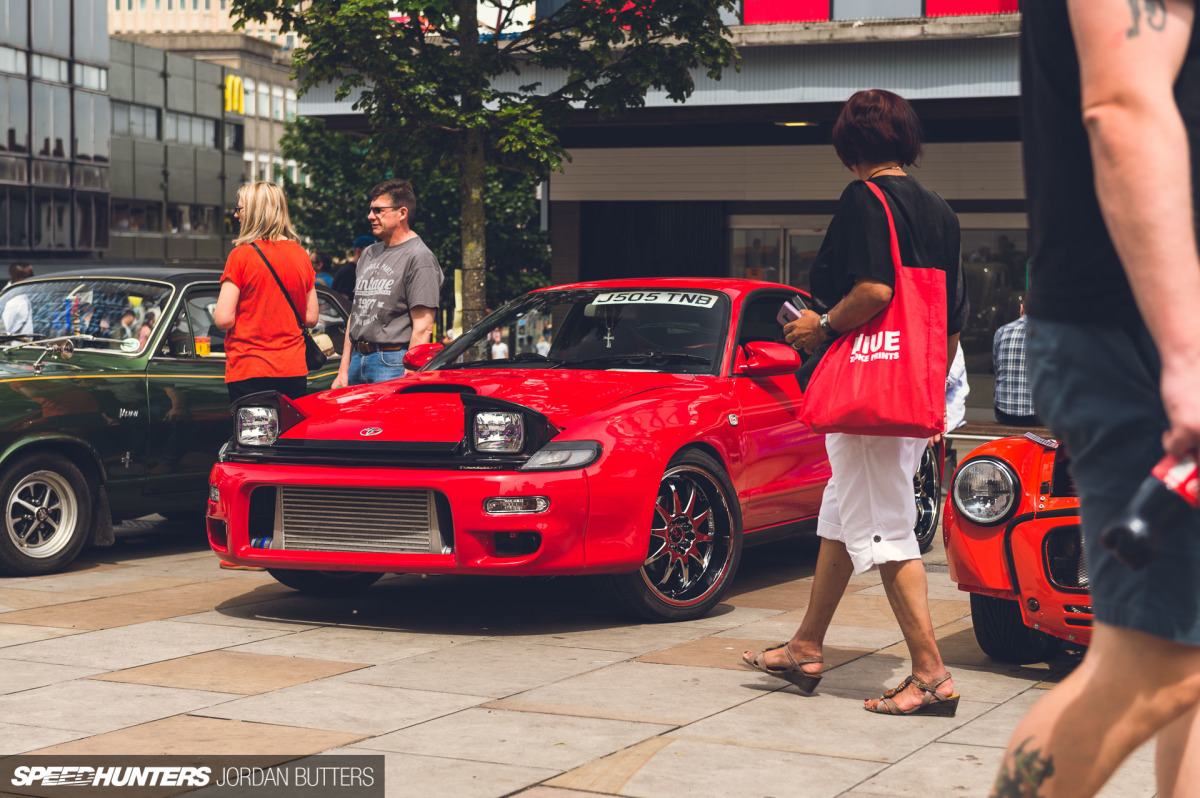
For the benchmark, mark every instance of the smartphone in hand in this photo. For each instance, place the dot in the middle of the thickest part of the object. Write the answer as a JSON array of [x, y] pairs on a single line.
[[789, 311]]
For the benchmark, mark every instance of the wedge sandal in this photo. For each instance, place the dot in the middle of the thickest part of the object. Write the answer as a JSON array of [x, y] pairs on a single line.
[[932, 702], [807, 682]]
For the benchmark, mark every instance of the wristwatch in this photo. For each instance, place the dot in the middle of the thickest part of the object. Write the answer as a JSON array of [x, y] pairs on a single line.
[[826, 327]]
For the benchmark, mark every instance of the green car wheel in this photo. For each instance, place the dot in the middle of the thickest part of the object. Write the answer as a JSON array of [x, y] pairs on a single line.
[[47, 514]]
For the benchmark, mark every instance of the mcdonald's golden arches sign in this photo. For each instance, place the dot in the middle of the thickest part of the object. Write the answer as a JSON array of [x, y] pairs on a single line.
[[235, 96]]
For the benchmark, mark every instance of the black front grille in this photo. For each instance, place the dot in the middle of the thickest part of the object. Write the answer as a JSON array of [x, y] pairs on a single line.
[[1064, 558]]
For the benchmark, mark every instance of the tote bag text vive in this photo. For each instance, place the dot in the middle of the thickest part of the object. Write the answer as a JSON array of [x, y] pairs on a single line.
[[888, 376]]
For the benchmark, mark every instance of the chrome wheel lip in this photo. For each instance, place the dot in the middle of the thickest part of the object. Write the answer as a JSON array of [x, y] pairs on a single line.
[[724, 528], [927, 494], [50, 499]]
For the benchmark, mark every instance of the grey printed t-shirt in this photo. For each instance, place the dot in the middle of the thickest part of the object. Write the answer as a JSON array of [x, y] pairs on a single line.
[[388, 282]]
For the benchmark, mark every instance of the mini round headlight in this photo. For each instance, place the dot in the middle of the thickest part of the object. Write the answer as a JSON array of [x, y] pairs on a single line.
[[985, 491]]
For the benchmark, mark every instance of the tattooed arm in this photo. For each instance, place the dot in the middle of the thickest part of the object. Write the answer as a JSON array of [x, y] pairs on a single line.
[[1140, 151]]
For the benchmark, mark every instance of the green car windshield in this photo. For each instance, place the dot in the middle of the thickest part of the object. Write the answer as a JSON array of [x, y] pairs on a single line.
[[122, 313]]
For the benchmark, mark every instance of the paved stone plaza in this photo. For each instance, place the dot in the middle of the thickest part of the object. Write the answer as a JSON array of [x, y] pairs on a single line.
[[493, 687]]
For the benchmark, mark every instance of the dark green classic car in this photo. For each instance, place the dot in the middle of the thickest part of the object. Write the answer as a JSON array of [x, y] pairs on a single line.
[[112, 405]]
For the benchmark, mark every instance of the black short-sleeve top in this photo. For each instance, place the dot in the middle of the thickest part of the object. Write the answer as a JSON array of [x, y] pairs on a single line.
[[858, 244]]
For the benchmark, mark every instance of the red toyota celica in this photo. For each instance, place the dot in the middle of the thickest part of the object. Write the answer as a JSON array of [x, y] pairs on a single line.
[[640, 430]]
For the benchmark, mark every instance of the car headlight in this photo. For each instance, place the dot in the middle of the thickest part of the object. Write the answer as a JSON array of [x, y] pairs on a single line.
[[499, 431], [985, 491], [563, 455], [257, 426]]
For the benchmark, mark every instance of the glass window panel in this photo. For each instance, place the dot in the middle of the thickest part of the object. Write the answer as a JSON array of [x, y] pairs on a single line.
[[152, 123], [84, 221], [277, 102], [61, 97], [14, 22], [210, 134], [121, 119], [100, 126], [802, 253], [101, 211], [16, 124], [120, 216], [755, 254], [62, 220], [42, 119], [171, 127], [264, 100], [84, 144], [250, 95], [85, 29], [198, 131], [994, 268], [18, 218], [291, 102], [43, 219], [3, 217]]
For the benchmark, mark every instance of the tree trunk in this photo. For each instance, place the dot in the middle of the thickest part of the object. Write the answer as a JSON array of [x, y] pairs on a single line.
[[471, 172], [474, 248]]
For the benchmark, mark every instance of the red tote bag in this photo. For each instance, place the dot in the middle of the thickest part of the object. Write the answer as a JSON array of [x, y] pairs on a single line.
[[887, 377]]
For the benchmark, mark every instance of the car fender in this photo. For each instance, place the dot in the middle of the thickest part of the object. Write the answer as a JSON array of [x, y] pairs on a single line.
[[639, 436], [980, 557], [93, 468]]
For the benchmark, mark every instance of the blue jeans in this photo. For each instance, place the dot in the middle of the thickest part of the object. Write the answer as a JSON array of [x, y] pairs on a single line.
[[1097, 388], [376, 367]]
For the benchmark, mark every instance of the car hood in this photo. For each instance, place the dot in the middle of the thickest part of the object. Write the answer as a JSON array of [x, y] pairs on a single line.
[[426, 406]]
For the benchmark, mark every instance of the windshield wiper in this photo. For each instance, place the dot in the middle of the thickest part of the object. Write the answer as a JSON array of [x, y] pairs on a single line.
[[643, 356]]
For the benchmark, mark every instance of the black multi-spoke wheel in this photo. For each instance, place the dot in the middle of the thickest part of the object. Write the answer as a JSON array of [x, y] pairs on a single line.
[[695, 544], [927, 485], [47, 514], [325, 583]]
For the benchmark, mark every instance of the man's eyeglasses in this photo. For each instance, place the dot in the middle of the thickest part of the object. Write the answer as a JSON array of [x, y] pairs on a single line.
[[377, 210]]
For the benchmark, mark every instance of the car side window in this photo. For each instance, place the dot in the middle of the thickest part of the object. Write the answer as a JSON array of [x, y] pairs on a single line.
[[331, 320], [200, 304], [178, 341], [758, 319]]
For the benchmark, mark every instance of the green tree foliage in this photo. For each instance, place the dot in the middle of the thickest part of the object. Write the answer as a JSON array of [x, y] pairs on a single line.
[[331, 210], [430, 83]]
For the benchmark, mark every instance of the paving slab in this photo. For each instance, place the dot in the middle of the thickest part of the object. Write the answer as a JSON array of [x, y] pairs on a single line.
[[90, 706], [130, 646], [782, 627], [951, 771], [870, 676], [17, 675], [18, 739], [824, 724], [642, 691], [373, 646], [246, 615], [231, 672], [15, 634], [152, 605], [494, 667], [188, 735], [409, 775], [343, 706], [518, 738], [726, 653]]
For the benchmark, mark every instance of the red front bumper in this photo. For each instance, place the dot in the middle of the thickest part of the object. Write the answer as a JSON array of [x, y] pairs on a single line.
[[563, 529]]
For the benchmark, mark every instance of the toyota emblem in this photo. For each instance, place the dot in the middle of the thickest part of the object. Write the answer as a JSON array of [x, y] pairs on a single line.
[[369, 431]]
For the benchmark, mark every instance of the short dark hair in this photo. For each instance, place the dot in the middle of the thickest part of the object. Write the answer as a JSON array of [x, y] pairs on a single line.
[[324, 258], [19, 271], [876, 126], [399, 192]]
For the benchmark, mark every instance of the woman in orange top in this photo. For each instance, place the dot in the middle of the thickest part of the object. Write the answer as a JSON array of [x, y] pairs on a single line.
[[264, 349]]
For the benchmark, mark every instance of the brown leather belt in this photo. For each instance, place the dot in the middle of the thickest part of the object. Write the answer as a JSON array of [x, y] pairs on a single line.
[[366, 348]]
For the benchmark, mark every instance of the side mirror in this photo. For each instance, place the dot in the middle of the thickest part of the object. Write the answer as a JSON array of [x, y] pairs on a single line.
[[767, 359], [418, 356]]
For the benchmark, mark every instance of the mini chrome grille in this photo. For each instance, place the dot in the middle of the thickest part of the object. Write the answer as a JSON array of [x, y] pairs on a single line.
[[1064, 557], [314, 518]]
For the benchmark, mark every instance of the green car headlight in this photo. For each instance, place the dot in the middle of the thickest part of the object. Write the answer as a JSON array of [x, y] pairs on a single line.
[[499, 431], [257, 426], [985, 491]]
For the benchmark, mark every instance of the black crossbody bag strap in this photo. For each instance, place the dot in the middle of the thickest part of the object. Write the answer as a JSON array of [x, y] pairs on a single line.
[[279, 282]]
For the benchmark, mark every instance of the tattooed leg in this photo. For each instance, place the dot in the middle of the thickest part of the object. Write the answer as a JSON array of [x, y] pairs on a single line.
[[1026, 776], [1156, 16]]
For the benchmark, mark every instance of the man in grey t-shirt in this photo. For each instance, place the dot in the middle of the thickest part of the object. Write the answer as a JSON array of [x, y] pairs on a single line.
[[397, 287]]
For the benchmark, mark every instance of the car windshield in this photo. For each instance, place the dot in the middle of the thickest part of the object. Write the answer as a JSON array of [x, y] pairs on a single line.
[[123, 312], [670, 330]]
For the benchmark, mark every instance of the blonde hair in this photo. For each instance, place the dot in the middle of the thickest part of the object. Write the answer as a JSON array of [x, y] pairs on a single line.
[[264, 214]]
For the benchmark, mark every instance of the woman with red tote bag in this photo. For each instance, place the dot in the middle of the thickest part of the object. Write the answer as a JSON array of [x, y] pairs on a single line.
[[890, 301]]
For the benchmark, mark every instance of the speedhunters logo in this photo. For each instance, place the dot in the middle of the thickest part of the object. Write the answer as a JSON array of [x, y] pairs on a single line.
[[76, 776], [344, 776]]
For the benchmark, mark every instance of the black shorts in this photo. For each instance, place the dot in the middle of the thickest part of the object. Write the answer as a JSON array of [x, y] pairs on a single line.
[[1097, 388]]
